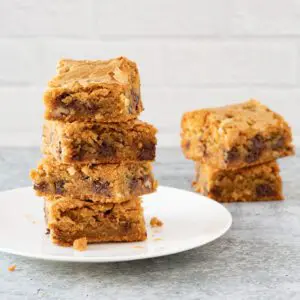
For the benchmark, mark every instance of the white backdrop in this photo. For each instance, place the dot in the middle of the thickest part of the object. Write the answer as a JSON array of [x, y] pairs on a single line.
[[191, 54]]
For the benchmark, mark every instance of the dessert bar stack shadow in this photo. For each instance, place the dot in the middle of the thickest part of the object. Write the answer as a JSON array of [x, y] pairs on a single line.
[[97, 154], [235, 150]]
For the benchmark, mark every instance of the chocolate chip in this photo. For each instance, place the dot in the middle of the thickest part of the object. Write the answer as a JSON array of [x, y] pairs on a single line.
[[187, 145], [135, 102], [126, 225], [216, 191], [90, 108], [47, 231], [256, 148], [147, 152], [59, 187], [231, 155], [59, 150], [106, 149], [101, 187], [61, 97], [278, 143], [78, 155], [42, 186], [107, 212], [264, 190], [88, 200]]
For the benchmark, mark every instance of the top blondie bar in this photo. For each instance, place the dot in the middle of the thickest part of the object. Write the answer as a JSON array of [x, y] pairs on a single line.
[[235, 136], [83, 90]]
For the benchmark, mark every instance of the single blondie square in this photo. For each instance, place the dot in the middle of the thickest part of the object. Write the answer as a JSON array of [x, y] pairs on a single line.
[[99, 142], [105, 91], [235, 136], [256, 183], [96, 182], [70, 219]]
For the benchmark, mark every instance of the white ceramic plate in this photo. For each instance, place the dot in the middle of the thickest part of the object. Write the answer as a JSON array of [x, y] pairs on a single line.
[[190, 220]]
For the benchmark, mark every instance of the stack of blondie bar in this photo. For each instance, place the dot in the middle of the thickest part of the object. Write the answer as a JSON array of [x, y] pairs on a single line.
[[97, 155], [235, 150]]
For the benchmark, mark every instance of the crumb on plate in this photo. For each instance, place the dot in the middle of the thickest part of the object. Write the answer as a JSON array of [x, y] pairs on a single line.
[[157, 239], [155, 222], [12, 268], [80, 244]]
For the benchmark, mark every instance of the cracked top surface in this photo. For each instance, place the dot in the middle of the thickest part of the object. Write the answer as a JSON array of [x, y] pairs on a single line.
[[120, 71], [231, 122]]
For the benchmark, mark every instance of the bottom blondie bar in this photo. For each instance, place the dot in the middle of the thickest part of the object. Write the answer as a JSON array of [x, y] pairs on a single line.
[[70, 219], [257, 183]]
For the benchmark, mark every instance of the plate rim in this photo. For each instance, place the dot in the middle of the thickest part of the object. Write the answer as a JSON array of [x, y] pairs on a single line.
[[102, 259]]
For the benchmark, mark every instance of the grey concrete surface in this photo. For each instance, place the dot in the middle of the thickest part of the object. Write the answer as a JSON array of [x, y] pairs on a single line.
[[259, 258]]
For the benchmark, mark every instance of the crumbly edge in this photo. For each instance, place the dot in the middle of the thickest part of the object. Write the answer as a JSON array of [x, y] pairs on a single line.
[[105, 183], [261, 182], [125, 220], [206, 141], [86, 142], [96, 102]]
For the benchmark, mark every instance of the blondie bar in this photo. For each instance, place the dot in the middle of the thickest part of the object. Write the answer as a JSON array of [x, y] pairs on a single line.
[[256, 183], [99, 142], [106, 91], [104, 182], [235, 136], [71, 219]]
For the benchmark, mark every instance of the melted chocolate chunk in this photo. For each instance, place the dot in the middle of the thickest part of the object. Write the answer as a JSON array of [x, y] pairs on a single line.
[[59, 187], [47, 231], [258, 144], [264, 190], [278, 143], [231, 155], [147, 152], [42, 186], [101, 187], [107, 150]]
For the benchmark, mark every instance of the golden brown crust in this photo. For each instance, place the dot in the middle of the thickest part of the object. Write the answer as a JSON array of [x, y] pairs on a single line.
[[235, 136], [106, 91], [256, 183], [103, 183], [70, 219], [99, 142], [113, 71]]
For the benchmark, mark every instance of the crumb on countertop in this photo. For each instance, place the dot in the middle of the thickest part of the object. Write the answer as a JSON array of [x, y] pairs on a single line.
[[12, 268], [80, 244], [155, 222]]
